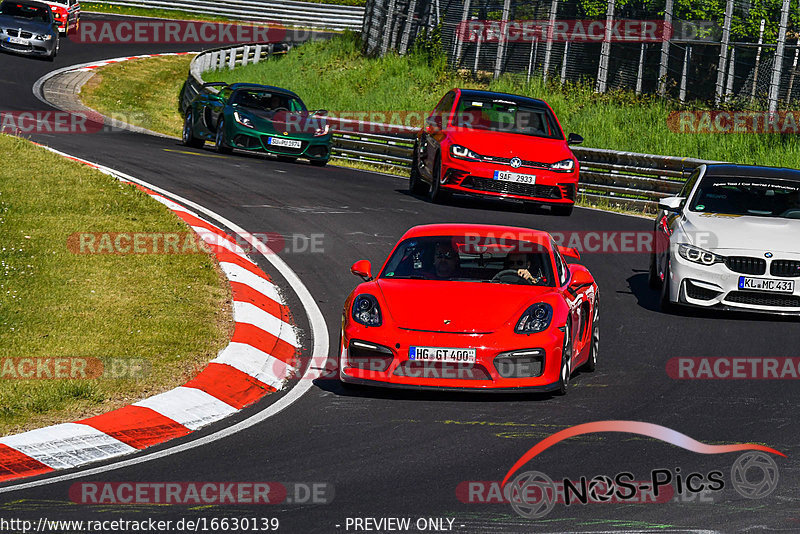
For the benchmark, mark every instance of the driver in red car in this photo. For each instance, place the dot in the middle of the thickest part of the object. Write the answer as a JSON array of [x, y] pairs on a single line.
[[445, 261], [522, 264]]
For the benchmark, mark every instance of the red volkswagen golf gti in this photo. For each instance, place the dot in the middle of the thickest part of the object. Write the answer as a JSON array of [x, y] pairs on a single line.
[[499, 145], [472, 307]]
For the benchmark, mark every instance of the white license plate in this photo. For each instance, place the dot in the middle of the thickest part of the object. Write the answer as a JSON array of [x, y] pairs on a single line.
[[508, 176], [17, 40], [440, 354], [291, 143], [766, 284]]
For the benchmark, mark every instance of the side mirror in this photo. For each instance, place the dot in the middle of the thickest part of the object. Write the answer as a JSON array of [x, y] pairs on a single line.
[[673, 204], [574, 139], [321, 112], [570, 252], [362, 268], [432, 125], [581, 278]]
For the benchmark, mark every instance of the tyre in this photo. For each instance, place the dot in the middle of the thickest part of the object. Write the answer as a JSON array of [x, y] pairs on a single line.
[[566, 363], [437, 194], [653, 279], [415, 184], [594, 342], [562, 210], [187, 136], [666, 304], [219, 140]]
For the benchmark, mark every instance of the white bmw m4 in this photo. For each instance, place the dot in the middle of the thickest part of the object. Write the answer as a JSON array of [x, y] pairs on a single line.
[[731, 240]]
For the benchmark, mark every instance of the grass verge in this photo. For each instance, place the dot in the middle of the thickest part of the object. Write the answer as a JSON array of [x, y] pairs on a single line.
[[168, 313]]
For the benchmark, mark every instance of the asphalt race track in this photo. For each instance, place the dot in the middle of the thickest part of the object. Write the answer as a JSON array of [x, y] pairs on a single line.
[[394, 453]]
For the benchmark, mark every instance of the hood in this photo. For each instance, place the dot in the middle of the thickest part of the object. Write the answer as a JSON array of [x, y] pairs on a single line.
[[469, 306], [719, 232], [505, 145], [295, 124], [27, 25]]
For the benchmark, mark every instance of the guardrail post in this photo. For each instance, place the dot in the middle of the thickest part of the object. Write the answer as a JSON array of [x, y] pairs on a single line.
[[223, 54], [257, 54], [245, 55], [269, 50], [232, 60], [640, 70], [684, 73]]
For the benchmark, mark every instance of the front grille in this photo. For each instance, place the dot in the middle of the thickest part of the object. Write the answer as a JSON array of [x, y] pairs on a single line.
[[16, 33], [786, 268], [12, 33], [26, 35], [569, 191], [318, 151], [511, 188], [758, 298], [700, 293], [283, 149], [745, 265], [246, 141], [525, 163], [443, 371], [521, 364], [369, 356]]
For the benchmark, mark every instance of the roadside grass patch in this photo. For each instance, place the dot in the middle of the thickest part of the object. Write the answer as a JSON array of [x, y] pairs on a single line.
[[170, 313]]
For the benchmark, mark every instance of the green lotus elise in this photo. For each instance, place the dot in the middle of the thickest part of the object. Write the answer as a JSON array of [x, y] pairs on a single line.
[[258, 118]]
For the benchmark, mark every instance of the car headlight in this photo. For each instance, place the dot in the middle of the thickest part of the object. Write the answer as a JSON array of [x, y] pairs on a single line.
[[567, 165], [698, 255], [322, 131], [241, 119], [462, 152], [366, 310], [44, 37], [536, 319]]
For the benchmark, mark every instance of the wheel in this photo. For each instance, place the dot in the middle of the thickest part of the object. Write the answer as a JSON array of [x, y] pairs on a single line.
[[415, 184], [594, 344], [666, 304], [653, 279], [562, 210], [219, 140], [188, 137], [319, 162], [566, 363], [437, 194]]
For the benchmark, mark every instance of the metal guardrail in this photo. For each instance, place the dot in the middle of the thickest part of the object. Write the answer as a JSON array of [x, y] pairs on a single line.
[[619, 179], [287, 12]]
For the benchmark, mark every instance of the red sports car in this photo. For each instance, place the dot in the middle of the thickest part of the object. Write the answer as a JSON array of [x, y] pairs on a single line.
[[471, 307], [496, 144]]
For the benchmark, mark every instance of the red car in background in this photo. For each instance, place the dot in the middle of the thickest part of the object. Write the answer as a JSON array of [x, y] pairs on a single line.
[[473, 307], [67, 14], [498, 145]]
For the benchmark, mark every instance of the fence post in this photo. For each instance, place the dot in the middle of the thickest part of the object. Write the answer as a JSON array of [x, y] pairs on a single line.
[[777, 66], [731, 73], [794, 71], [245, 55], [232, 63], [464, 28], [685, 72], [662, 67], [412, 9], [723, 50], [534, 44], [548, 50], [257, 54], [605, 51], [564, 63], [501, 46], [477, 53], [387, 27], [758, 62], [640, 70]]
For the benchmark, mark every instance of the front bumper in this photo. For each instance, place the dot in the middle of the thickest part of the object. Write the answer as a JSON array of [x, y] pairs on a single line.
[[314, 148], [399, 371], [717, 286], [31, 47], [478, 178]]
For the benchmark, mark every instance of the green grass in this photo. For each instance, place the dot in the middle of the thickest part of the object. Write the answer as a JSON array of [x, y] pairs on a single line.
[[171, 310], [144, 92], [334, 75]]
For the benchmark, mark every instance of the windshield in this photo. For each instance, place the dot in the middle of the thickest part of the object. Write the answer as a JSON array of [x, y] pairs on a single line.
[[501, 115], [470, 259], [266, 100], [761, 197], [25, 11]]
